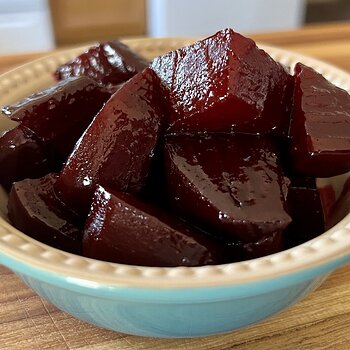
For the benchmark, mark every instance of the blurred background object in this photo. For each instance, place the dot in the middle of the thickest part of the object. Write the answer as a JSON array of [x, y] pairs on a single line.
[[88, 20], [204, 17], [319, 11], [25, 26], [40, 25]]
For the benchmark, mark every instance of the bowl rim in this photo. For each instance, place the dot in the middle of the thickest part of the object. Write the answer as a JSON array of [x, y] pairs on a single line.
[[330, 246]]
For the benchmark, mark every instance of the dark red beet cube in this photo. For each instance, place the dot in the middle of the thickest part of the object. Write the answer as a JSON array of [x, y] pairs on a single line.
[[328, 198], [59, 115], [320, 125], [22, 156], [122, 229], [239, 251], [34, 209], [224, 83], [340, 208], [109, 63], [306, 211], [118, 147], [230, 185]]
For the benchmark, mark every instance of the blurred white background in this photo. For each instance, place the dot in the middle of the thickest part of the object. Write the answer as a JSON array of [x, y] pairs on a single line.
[[25, 26], [40, 25], [203, 17]]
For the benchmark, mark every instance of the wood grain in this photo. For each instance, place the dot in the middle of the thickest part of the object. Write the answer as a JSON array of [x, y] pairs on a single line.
[[320, 322]]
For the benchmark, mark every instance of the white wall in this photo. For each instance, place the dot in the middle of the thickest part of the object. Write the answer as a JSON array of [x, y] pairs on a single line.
[[25, 25], [204, 17]]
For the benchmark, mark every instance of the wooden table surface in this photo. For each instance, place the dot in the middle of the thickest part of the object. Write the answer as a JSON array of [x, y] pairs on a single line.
[[321, 321]]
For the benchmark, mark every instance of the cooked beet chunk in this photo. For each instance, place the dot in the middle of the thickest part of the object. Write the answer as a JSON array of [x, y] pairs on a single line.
[[118, 147], [340, 208], [305, 210], [122, 229], [231, 185], [320, 126], [34, 209], [109, 63], [224, 83], [59, 115], [22, 156], [239, 251]]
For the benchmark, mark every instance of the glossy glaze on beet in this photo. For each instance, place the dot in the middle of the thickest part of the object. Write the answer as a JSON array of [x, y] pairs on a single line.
[[306, 211], [122, 229], [239, 251], [22, 156], [34, 209], [231, 185], [117, 149], [60, 114], [109, 63], [228, 186], [224, 83], [320, 126]]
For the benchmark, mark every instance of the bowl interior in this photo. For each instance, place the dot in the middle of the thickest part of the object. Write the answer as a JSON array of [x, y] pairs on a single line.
[[332, 245]]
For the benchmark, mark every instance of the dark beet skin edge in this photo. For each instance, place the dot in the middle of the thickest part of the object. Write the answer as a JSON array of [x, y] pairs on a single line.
[[109, 63], [60, 114], [224, 83], [239, 251], [320, 125], [229, 185], [341, 207], [118, 147], [122, 229], [22, 156], [34, 209], [306, 211]]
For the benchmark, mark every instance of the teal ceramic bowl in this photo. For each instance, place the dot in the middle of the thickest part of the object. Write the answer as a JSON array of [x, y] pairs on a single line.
[[168, 302]]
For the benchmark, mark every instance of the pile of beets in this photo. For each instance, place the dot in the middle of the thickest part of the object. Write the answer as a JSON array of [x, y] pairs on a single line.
[[207, 155]]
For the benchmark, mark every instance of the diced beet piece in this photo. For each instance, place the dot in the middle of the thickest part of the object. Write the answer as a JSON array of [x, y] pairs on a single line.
[[155, 190], [328, 198], [230, 185], [239, 251], [61, 113], [320, 126], [305, 210], [224, 83], [109, 63], [122, 229], [22, 156], [118, 147], [341, 207], [34, 209]]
